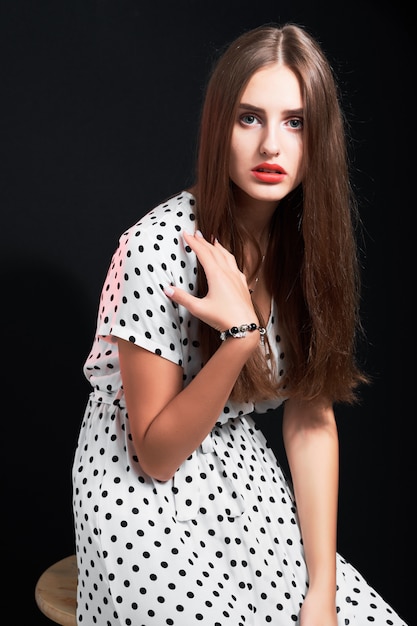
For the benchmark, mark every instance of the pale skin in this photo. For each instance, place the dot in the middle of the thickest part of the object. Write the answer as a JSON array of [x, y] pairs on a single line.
[[162, 414]]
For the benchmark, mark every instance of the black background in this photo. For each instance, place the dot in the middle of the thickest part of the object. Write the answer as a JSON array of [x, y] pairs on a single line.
[[100, 106]]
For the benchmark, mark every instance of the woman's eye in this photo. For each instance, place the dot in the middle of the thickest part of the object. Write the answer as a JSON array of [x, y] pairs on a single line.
[[249, 119], [296, 124]]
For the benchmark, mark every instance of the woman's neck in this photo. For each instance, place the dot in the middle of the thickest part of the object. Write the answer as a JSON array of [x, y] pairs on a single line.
[[255, 216]]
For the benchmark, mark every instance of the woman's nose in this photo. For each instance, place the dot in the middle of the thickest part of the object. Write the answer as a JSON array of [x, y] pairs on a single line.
[[270, 144]]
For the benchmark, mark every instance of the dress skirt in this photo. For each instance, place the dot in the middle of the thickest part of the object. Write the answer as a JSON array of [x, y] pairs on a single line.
[[218, 544]]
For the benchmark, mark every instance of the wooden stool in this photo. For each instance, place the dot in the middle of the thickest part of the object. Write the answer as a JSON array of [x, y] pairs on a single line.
[[56, 591]]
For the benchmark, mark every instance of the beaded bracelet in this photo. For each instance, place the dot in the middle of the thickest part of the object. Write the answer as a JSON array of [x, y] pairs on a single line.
[[240, 331]]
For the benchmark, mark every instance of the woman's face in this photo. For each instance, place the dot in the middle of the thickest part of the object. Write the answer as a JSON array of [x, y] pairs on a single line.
[[267, 137]]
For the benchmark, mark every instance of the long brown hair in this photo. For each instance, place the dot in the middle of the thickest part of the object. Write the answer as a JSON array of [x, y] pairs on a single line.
[[311, 266]]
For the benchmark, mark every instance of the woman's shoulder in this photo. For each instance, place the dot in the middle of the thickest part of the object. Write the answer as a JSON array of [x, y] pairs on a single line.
[[156, 238], [177, 213]]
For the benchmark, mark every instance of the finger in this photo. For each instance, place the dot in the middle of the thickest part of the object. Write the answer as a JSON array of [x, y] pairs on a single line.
[[229, 257], [197, 243], [191, 303], [203, 248], [216, 260]]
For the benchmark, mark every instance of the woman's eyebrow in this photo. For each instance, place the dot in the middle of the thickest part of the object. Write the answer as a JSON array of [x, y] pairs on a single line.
[[250, 107], [246, 106]]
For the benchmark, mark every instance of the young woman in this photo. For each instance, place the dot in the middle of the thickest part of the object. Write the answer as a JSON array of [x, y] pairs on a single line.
[[225, 300]]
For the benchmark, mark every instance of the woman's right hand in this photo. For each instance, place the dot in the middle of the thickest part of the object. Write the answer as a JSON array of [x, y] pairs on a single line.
[[227, 302]]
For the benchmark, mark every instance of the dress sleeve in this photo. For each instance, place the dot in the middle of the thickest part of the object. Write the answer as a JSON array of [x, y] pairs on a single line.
[[133, 305]]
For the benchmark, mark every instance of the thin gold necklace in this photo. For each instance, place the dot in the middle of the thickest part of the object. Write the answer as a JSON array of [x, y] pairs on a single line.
[[255, 282]]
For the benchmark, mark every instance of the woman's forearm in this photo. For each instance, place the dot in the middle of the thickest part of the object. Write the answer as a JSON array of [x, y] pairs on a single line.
[[168, 422], [311, 443]]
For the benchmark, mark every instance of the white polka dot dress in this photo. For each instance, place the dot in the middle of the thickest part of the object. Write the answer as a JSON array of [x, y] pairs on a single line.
[[219, 543]]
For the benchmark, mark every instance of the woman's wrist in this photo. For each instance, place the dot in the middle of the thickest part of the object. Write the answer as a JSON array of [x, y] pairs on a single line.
[[239, 332]]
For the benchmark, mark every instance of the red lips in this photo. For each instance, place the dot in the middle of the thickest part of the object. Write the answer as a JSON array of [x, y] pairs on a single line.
[[270, 173], [269, 167]]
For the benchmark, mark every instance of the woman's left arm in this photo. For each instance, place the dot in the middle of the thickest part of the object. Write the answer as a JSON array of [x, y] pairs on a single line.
[[312, 448]]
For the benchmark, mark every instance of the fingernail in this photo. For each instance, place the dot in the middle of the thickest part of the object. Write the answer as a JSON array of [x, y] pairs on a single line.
[[169, 290], [199, 233]]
